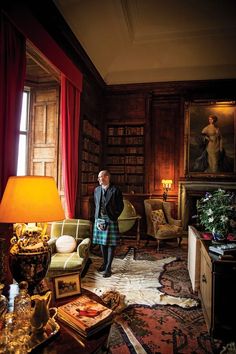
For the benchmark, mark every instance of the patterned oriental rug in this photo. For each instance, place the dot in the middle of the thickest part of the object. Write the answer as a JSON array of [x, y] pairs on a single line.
[[162, 314]]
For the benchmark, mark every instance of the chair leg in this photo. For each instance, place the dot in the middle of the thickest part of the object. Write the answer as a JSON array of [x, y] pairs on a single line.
[[158, 245], [147, 242]]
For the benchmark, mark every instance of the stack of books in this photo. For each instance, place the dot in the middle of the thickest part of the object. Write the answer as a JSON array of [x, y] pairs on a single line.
[[85, 315], [223, 250]]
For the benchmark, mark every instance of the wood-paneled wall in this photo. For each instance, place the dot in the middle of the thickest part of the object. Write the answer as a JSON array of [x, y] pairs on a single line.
[[160, 106]]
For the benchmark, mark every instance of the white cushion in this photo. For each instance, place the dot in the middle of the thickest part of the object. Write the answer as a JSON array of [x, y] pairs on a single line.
[[65, 244]]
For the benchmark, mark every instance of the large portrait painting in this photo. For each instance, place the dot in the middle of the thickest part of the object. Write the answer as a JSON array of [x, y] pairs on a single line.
[[210, 138]]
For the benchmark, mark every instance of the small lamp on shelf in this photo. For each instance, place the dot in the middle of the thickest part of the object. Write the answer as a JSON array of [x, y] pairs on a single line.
[[33, 200], [166, 183]]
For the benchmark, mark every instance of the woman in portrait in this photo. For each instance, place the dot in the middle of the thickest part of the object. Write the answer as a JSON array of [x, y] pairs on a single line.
[[213, 138], [212, 159]]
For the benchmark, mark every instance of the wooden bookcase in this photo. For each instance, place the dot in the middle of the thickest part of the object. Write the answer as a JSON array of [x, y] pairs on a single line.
[[91, 154], [125, 155]]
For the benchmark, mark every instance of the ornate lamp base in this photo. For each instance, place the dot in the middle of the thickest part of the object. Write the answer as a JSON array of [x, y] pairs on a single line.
[[31, 267]]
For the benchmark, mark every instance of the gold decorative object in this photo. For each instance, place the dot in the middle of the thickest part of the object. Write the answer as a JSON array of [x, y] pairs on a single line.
[[40, 312], [167, 183], [33, 200]]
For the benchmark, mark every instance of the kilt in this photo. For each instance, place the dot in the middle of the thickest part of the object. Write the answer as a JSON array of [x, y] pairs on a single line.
[[108, 237]]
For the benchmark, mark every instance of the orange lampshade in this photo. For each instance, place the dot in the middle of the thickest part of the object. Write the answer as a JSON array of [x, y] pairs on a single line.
[[30, 199]]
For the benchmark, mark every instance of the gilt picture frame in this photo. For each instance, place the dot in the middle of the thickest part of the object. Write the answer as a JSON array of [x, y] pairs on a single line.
[[210, 133], [67, 285]]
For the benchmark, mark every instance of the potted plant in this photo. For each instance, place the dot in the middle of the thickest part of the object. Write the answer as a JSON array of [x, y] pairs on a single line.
[[215, 210]]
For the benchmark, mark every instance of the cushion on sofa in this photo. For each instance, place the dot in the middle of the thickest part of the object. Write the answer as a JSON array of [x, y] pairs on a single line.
[[66, 262], [65, 244]]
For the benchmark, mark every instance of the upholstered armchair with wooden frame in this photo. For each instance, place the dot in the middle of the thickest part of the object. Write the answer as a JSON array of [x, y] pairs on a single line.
[[160, 224], [70, 244]]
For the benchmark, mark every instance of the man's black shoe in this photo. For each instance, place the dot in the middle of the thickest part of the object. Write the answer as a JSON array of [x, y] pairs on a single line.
[[107, 274]]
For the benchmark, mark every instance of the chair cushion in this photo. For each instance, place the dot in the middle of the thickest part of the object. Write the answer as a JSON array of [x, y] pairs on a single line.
[[168, 231], [65, 244], [66, 262], [158, 217]]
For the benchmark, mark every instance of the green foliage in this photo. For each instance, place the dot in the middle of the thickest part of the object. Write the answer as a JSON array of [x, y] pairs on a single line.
[[215, 211]]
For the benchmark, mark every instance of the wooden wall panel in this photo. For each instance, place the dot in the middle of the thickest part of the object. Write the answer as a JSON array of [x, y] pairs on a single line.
[[165, 129], [125, 106]]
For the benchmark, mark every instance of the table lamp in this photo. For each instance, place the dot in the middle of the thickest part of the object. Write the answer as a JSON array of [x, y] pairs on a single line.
[[166, 186], [29, 202]]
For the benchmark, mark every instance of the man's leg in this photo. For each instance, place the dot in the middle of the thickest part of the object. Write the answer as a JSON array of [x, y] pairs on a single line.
[[110, 256], [104, 250]]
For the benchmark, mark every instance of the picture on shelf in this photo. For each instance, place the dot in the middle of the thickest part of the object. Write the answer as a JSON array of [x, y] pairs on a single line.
[[210, 137], [67, 285]]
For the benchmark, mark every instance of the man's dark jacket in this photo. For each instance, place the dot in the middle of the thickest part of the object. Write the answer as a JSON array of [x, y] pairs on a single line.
[[114, 202]]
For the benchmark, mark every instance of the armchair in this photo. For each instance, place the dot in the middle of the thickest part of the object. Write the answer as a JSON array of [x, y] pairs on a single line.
[[70, 243], [160, 224]]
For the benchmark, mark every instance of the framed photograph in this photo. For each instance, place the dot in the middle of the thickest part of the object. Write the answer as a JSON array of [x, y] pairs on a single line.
[[210, 138], [67, 285]]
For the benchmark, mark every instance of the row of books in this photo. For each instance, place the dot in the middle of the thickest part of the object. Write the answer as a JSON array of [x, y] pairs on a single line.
[[129, 160], [85, 315], [124, 150], [224, 249], [91, 146], [88, 156], [117, 140], [91, 130], [114, 131]]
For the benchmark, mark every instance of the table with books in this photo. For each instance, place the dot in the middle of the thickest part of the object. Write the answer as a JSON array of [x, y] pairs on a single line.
[[86, 333]]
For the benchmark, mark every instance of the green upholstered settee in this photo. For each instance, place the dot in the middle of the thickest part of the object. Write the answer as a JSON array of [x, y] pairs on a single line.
[[70, 243]]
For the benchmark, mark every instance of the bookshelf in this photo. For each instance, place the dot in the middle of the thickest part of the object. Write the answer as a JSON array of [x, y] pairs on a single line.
[[125, 156], [91, 153]]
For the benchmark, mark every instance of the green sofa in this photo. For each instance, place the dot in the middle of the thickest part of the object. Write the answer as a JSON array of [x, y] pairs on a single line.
[[65, 235]]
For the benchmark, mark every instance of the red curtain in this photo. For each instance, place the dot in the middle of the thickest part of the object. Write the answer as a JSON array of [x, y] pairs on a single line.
[[70, 114], [12, 76], [70, 98]]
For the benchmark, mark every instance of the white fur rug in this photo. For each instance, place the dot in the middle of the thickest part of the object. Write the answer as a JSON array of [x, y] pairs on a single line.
[[138, 280]]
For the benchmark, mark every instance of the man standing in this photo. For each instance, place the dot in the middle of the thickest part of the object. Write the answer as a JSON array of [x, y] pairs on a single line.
[[108, 207]]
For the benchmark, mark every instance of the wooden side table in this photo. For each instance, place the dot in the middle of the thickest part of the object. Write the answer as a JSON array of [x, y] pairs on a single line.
[[217, 293], [214, 279]]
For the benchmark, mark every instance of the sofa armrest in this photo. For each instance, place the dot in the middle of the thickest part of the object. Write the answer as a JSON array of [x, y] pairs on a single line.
[[83, 248], [52, 244]]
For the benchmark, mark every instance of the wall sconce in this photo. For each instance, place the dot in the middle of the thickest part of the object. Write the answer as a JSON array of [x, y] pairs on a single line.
[[29, 202], [166, 187]]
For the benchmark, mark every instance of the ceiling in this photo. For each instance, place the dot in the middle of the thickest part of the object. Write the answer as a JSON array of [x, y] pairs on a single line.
[[38, 69], [137, 41]]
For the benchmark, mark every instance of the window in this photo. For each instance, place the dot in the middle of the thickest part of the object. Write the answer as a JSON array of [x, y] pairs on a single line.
[[23, 139]]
